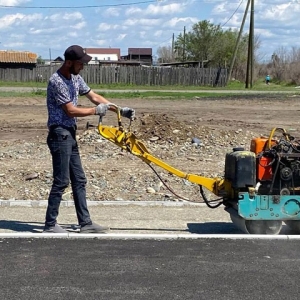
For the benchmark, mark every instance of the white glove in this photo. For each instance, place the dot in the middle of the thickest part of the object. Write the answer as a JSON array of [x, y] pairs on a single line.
[[127, 112], [101, 109]]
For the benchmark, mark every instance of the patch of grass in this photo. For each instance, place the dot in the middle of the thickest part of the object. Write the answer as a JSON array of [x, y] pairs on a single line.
[[166, 95], [32, 84], [129, 94], [121, 86], [24, 94], [170, 92], [170, 95], [39, 92], [260, 85]]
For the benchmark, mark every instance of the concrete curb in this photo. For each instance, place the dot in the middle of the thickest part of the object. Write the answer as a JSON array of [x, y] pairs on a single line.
[[70, 203], [115, 236]]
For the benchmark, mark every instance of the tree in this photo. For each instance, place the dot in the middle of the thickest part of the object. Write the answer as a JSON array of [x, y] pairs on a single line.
[[165, 54], [210, 42], [40, 61]]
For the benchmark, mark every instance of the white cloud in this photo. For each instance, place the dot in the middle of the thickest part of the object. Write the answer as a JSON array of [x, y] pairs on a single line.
[[66, 16], [180, 21], [121, 37], [220, 8], [18, 19], [158, 33], [277, 12], [164, 9], [101, 42], [13, 45], [112, 12], [156, 10], [287, 14], [142, 22], [13, 2], [142, 34], [133, 11], [73, 34], [107, 27], [35, 31], [264, 33], [79, 25]]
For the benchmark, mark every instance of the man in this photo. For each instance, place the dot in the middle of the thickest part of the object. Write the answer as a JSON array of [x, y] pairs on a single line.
[[63, 89]]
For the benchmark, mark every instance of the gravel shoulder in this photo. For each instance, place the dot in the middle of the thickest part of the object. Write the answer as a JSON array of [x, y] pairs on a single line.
[[167, 128]]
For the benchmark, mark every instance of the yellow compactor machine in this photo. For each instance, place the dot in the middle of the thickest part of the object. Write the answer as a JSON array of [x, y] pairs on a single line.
[[260, 189]]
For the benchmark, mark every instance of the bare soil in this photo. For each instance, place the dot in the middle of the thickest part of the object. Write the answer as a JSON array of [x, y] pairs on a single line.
[[219, 124]]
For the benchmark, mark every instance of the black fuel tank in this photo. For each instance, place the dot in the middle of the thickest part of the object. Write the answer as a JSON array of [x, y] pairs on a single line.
[[240, 169]]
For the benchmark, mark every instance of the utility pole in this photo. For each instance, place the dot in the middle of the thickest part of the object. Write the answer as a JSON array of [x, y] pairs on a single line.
[[50, 54], [237, 43], [183, 51], [173, 46], [252, 43], [250, 61]]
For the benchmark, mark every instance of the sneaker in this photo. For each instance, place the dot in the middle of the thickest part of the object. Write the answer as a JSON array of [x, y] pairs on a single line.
[[93, 228], [54, 229]]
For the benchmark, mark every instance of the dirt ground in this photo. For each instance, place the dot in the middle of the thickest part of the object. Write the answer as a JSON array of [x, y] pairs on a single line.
[[166, 126]]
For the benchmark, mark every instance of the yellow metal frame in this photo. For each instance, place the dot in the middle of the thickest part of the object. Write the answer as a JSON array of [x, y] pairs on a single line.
[[271, 136], [127, 140]]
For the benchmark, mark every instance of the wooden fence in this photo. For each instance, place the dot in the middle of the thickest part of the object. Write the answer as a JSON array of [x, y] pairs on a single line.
[[135, 75]]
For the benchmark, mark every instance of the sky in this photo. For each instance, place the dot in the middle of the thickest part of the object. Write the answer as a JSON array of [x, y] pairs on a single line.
[[49, 27]]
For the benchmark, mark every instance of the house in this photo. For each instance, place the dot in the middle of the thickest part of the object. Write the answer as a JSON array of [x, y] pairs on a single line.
[[189, 64], [57, 61], [142, 55], [103, 54], [17, 59]]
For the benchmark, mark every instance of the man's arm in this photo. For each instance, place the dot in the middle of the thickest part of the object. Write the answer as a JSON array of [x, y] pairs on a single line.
[[74, 111], [97, 99]]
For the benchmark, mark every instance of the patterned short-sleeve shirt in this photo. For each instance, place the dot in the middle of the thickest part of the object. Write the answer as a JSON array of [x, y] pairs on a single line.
[[61, 91]]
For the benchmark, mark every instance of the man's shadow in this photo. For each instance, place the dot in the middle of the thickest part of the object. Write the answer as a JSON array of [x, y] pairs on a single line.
[[196, 228], [213, 228], [20, 226]]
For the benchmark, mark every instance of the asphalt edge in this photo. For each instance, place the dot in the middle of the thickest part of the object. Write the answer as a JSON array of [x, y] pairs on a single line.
[[70, 203], [121, 236]]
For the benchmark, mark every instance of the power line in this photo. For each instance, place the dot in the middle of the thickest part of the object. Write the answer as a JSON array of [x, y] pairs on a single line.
[[232, 14], [104, 5], [84, 6], [157, 44]]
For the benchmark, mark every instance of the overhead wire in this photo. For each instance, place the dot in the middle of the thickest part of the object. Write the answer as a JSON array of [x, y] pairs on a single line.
[[82, 6], [232, 14], [103, 5]]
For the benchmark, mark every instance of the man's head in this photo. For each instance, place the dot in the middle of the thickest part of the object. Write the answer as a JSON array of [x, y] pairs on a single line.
[[75, 58], [76, 52]]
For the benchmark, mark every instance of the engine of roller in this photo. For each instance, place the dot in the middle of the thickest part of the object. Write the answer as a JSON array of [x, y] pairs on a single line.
[[265, 184], [279, 168]]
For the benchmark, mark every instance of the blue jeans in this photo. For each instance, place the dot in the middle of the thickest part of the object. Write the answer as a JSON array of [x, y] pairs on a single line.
[[67, 167]]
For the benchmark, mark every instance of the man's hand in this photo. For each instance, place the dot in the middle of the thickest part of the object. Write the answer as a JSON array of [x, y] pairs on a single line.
[[101, 109], [127, 112]]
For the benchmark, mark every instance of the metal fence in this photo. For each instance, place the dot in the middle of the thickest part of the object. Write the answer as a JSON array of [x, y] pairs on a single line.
[[133, 75]]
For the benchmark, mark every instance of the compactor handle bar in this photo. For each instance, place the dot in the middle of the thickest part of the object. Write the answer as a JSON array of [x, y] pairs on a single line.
[[128, 141], [117, 110]]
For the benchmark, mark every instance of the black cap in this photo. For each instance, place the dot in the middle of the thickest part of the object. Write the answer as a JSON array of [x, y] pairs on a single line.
[[76, 52]]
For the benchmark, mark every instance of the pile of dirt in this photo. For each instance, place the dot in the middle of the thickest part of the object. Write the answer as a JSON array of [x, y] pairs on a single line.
[[163, 127]]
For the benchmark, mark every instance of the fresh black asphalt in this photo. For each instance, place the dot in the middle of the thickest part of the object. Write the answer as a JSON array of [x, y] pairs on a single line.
[[73, 269]]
